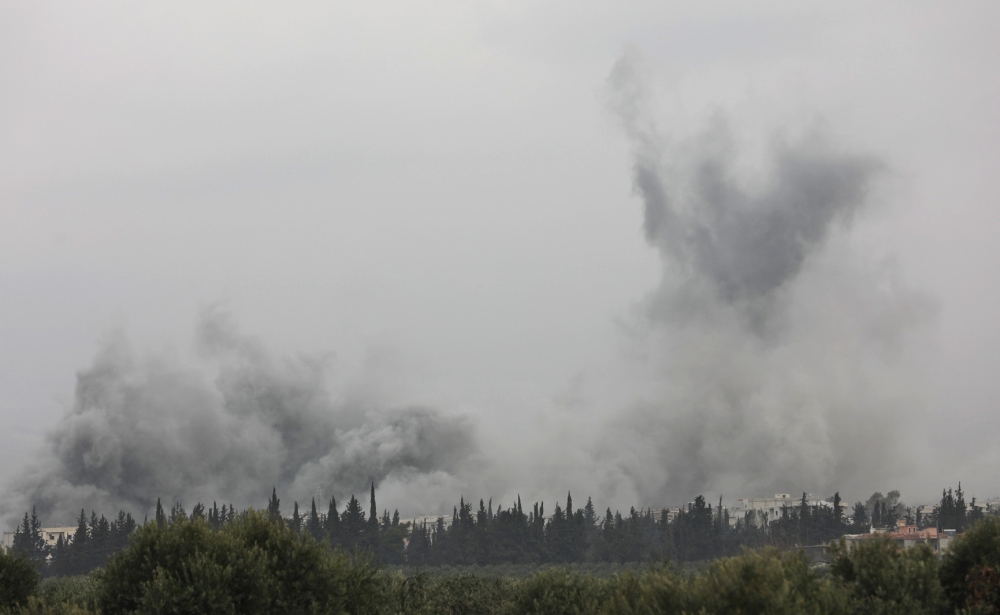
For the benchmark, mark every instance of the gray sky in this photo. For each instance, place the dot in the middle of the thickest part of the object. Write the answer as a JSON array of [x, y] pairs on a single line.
[[437, 198]]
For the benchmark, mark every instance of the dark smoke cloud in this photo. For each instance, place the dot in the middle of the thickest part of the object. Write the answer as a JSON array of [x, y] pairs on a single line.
[[778, 357], [144, 427]]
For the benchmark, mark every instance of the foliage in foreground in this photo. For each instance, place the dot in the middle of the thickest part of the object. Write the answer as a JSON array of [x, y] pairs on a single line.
[[251, 566], [970, 573], [256, 566], [18, 579]]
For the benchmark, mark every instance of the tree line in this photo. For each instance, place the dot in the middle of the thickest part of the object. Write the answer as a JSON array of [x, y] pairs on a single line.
[[512, 535], [254, 565]]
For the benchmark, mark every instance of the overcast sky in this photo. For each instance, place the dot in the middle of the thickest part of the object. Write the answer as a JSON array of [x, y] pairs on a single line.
[[436, 197]]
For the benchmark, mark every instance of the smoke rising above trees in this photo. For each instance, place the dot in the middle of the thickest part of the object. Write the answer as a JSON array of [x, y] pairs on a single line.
[[145, 427], [775, 351], [775, 354]]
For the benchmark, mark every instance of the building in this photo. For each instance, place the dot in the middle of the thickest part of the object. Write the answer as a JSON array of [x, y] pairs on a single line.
[[762, 510], [909, 536], [50, 535], [992, 506]]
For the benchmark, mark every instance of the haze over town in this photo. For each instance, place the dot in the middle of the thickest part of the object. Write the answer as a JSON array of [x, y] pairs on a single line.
[[639, 253]]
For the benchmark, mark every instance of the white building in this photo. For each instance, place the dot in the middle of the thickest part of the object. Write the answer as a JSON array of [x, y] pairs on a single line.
[[766, 510], [50, 535]]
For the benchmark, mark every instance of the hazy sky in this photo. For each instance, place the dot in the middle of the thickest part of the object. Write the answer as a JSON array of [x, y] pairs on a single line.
[[438, 197]]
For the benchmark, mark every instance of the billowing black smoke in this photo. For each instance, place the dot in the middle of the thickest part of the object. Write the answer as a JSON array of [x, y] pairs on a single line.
[[148, 427]]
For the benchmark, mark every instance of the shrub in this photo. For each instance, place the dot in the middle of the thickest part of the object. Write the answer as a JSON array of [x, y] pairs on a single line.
[[655, 591], [468, 595], [184, 567], [970, 571], [764, 581], [880, 578], [423, 594], [75, 590], [251, 566], [38, 606], [559, 592], [18, 579]]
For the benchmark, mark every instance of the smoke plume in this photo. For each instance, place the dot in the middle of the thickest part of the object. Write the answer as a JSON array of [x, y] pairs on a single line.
[[776, 353], [147, 427]]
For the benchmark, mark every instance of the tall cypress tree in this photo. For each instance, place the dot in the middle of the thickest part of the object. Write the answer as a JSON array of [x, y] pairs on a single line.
[[373, 513], [100, 531], [481, 517], [296, 522], [81, 536], [22, 537], [38, 550], [589, 515], [274, 507], [213, 515], [60, 564], [79, 550], [961, 509], [313, 525], [352, 522], [332, 527], [161, 518]]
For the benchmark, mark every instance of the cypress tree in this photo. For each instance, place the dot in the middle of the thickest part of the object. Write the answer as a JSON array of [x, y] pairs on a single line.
[[960, 509], [313, 525], [100, 531], [22, 537], [481, 516], [274, 506], [589, 514], [353, 517], [60, 565], [296, 523], [332, 521], [80, 547], [373, 513], [118, 532], [81, 536], [161, 518], [38, 550]]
